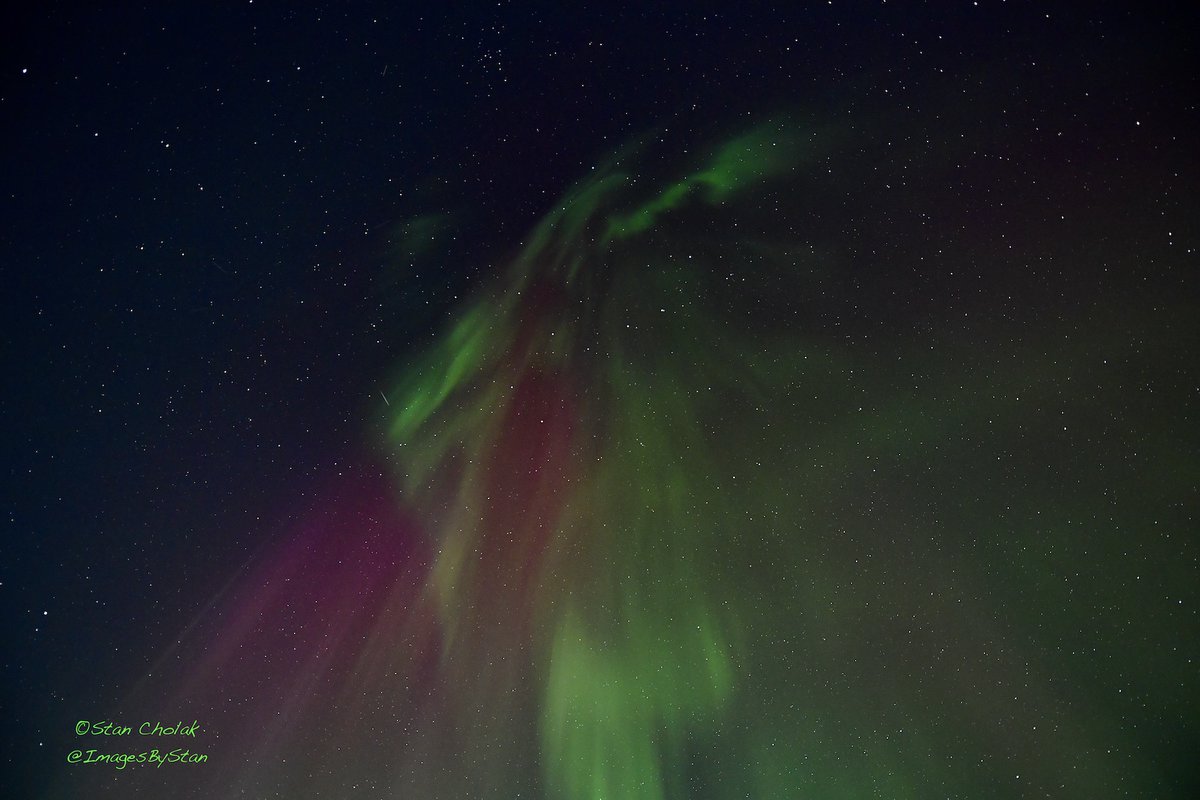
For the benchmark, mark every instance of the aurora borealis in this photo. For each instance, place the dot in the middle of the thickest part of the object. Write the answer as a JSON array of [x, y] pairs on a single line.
[[823, 438]]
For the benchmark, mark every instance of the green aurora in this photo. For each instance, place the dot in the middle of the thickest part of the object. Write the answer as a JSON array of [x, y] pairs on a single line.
[[743, 479], [692, 544]]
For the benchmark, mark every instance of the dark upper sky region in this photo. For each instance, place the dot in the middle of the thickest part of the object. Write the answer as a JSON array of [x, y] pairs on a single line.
[[208, 290]]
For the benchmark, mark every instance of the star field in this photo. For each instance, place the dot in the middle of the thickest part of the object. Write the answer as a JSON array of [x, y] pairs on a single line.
[[604, 402]]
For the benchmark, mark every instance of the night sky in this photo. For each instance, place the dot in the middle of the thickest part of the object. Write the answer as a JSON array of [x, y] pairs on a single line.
[[626, 402]]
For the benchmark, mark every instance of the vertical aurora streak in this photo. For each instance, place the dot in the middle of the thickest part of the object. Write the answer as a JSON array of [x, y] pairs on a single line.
[[587, 512]]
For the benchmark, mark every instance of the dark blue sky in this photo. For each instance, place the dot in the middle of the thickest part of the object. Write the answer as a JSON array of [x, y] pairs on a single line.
[[201, 290]]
